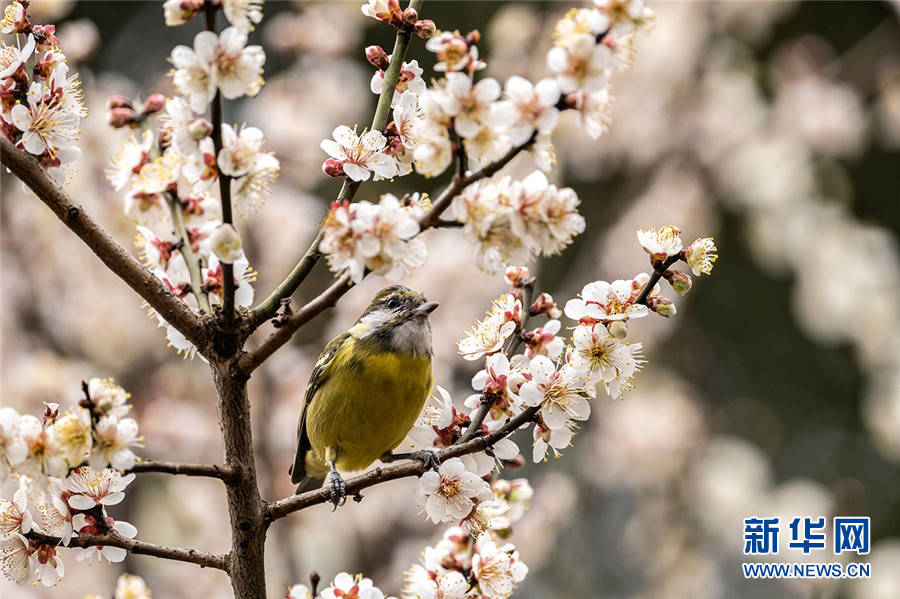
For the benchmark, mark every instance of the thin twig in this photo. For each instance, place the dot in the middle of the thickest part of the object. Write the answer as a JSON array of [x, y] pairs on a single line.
[[114, 256], [283, 507], [220, 471], [658, 272], [224, 182], [283, 334], [484, 407], [114, 539], [193, 264], [432, 218], [301, 270]]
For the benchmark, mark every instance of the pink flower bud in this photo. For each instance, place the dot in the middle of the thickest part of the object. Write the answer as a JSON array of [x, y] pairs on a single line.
[[377, 57], [154, 103], [410, 16], [333, 168], [473, 37], [118, 102], [518, 276], [425, 28], [51, 412], [545, 305], [121, 117], [661, 305], [199, 129], [680, 282]]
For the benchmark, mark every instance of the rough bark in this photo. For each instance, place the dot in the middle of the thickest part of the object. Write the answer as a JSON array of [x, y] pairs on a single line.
[[246, 508]]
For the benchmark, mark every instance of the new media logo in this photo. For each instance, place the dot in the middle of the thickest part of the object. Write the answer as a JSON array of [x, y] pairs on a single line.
[[849, 535]]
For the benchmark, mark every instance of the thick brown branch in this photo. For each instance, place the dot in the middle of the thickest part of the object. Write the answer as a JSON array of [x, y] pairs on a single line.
[[114, 539], [124, 265], [220, 471], [326, 299], [283, 507]]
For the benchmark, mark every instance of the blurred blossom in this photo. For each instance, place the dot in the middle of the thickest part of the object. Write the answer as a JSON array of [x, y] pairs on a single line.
[[881, 413], [827, 116], [885, 556], [80, 39]]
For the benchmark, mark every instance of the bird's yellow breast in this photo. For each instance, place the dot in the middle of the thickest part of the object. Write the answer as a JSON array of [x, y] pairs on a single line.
[[366, 406]]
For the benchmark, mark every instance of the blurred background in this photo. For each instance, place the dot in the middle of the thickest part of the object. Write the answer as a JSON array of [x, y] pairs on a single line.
[[773, 126]]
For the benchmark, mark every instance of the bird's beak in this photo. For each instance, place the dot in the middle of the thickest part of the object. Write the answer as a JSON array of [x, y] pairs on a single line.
[[425, 309]]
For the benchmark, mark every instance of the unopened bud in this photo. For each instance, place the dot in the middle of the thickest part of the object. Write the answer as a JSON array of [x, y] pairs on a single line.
[[410, 16], [680, 282], [118, 102], [199, 129], [661, 305], [473, 37], [154, 103], [225, 243], [617, 329], [377, 57], [333, 168], [121, 117], [545, 305], [425, 28], [518, 276]]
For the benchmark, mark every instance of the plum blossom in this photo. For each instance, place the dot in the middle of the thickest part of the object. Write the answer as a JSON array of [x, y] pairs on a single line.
[[86, 524], [129, 586], [582, 64], [580, 21], [14, 515], [90, 488], [562, 394], [13, 449], [488, 335], [250, 191], [450, 494], [497, 569], [107, 398], [660, 243], [217, 61], [410, 80], [299, 591], [469, 104], [451, 50], [360, 155], [243, 14], [424, 584], [593, 110], [114, 438], [130, 159], [605, 358], [225, 243], [544, 341], [345, 586], [528, 107], [22, 560], [378, 237], [70, 435], [701, 255], [240, 147], [602, 301], [49, 122]]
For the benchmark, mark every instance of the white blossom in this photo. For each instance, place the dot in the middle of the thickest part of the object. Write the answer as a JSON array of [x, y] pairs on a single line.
[[660, 243], [114, 439], [448, 495], [562, 394], [360, 155], [701, 255], [528, 107], [581, 65], [90, 488], [497, 569], [601, 301]]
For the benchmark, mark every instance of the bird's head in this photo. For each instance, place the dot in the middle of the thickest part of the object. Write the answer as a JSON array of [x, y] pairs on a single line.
[[398, 318]]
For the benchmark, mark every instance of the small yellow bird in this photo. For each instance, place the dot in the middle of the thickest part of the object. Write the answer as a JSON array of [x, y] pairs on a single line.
[[366, 391]]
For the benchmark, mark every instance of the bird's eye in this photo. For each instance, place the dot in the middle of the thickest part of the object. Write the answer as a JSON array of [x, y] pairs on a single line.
[[393, 303]]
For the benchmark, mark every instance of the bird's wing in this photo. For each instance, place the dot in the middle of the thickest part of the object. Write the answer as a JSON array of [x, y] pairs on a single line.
[[319, 375]]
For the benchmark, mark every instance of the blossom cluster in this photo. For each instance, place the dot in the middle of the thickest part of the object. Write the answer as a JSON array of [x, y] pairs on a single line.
[[483, 123], [41, 104], [169, 173], [58, 473]]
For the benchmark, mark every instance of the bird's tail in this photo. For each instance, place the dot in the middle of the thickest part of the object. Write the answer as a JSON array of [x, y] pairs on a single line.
[[309, 483]]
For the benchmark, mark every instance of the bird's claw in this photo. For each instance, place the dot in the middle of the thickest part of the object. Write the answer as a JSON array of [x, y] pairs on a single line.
[[338, 490], [427, 457]]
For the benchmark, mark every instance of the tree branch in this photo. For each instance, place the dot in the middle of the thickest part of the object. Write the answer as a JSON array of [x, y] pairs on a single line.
[[655, 276], [326, 299], [220, 471], [432, 218], [329, 297], [224, 181], [114, 539], [283, 507], [289, 285], [193, 265], [114, 256]]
